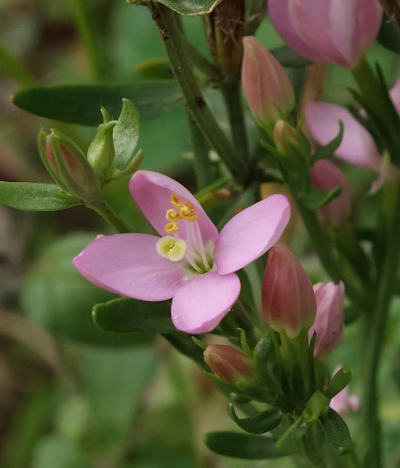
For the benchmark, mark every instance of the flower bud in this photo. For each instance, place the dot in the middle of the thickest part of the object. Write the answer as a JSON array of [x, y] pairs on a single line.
[[288, 298], [326, 176], [101, 151], [289, 141], [227, 362], [340, 31], [67, 165], [329, 320], [266, 85]]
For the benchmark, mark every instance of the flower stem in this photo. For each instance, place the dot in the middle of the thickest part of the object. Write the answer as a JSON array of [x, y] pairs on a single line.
[[194, 101], [371, 444], [108, 214]]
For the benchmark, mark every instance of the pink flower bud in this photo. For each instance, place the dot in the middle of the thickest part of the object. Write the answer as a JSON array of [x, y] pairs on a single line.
[[328, 30], [227, 362], [328, 324], [266, 84], [326, 176], [288, 298]]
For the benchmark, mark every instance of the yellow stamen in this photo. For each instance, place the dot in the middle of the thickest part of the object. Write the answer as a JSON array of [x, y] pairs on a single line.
[[172, 215], [171, 228], [175, 200], [171, 248]]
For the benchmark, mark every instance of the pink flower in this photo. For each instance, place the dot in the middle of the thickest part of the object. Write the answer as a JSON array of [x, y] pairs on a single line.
[[357, 146], [327, 30], [329, 319], [190, 263], [266, 85], [287, 295], [326, 176]]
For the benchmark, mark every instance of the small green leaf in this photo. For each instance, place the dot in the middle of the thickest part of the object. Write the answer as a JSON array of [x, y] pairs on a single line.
[[389, 35], [338, 382], [80, 104], [238, 445], [189, 7], [316, 198], [126, 134], [336, 431], [130, 315], [289, 439], [288, 57], [327, 150], [36, 197], [259, 424]]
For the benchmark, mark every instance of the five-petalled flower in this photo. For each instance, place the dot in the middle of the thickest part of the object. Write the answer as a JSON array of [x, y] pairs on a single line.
[[191, 263]]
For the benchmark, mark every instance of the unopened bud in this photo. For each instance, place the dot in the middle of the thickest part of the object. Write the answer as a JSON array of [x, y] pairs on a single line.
[[288, 298], [67, 165], [290, 142], [227, 362], [326, 176], [329, 319], [266, 85]]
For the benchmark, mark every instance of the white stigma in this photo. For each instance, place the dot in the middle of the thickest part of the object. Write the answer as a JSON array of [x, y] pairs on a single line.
[[172, 248]]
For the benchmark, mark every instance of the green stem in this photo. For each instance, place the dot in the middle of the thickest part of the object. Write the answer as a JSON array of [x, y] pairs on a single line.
[[13, 68], [181, 66], [376, 326], [233, 102], [81, 21], [202, 166], [108, 214]]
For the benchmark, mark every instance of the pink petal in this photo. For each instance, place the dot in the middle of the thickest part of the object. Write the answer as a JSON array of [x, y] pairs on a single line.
[[369, 15], [152, 192], [395, 95], [357, 146], [343, 18], [249, 234], [129, 265], [201, 303]]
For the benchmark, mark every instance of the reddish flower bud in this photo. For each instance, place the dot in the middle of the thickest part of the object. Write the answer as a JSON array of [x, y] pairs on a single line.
[[266, 85], [287, 295], [227, 362], [326, 176], [329, 320]]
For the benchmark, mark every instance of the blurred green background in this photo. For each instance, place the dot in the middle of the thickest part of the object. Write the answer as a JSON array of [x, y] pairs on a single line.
[[72, 396]]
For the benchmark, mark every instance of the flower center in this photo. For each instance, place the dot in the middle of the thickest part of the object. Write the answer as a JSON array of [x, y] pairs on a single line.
[[195, 256]]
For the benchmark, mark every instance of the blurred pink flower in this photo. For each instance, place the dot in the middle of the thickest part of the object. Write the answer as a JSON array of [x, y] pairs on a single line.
[[190, 263], [327, 30]]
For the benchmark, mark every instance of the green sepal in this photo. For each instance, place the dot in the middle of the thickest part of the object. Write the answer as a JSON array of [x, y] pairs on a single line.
[[131, 315], [101, 153], [327, 150], [132, 167], [317, 404], [289, 440], [36, 197], [259, 424], [336, 432], [126, 134], [338, 382], [316, 198], [239, 445]]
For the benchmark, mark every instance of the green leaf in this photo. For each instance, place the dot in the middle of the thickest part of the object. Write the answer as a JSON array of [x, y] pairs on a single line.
[[238, 445], [288, 57], [259, 424], [327, 150], [126, 134], [80, 104], [185, 345], [289, 439], [336, 431], [316, 198], [130, 315], [58, 298], [189, 7], [340, 380], [36, 197], [389, 35]]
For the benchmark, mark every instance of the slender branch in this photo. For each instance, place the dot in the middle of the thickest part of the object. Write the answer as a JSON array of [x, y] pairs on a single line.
[[181, 66]]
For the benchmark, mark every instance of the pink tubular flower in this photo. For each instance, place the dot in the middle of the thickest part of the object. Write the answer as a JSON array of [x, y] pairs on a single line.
[[329, 319], [190, 263], [266, 84], [327, 30], [326, 176], [288, 299], [227, 362]]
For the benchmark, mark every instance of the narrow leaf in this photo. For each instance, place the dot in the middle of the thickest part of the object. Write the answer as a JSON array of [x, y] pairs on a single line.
[[238, 445], [189, 7], [80, 104], [126, 134], [316, 198], [288, 57], [289, 439], [36, 197], [336, 431], [331, 147], [130, 315], [259, 424]]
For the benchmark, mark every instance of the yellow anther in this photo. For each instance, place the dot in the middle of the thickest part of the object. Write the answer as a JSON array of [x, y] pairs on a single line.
[[175, 200], [172, 248], [187, 211], [172, 215], [171, 228]]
